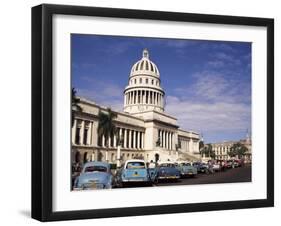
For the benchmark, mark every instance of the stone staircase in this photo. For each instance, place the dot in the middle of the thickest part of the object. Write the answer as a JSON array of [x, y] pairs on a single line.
[[189, 156]]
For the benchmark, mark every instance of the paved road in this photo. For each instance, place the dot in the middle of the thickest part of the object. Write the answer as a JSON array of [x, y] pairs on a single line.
[[241, 174]]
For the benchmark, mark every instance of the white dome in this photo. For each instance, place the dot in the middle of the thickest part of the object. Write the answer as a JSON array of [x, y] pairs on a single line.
[[144, 92], [145, 66]]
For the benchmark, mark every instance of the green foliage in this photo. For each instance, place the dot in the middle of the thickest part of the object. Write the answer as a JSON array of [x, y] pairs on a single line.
[[207, 150], [106, 126], [237, 149], [74, 104], [201, 144]]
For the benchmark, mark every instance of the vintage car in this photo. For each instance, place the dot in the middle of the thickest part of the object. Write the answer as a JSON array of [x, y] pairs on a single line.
[[216, 167], [94, 175], [133, 171], [167, 171], [186, 169], [201, 167]]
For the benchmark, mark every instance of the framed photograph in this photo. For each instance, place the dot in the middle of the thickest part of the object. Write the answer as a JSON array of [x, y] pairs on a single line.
[[145, 112]]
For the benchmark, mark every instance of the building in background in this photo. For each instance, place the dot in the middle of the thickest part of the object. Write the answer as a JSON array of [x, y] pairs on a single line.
[[222, 149], [146, 130]]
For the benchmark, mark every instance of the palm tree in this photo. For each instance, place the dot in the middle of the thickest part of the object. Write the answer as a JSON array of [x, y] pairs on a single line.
[[74, 105], [207, 150], [237, 149], [106, 126]]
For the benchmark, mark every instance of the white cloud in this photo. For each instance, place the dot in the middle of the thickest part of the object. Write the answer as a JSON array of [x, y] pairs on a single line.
[[212, 104], [102, 92]]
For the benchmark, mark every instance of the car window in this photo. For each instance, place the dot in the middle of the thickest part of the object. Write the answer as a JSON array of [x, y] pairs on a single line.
[[135, 165], [95, 168], [167, 165], [185, 164]]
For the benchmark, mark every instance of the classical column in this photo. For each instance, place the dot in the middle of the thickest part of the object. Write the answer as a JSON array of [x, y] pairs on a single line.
[[130, 139], [191, 145], [125, 138], [170, 139], [145, 96], [139, 140], [114, 140], [103, 141], [134, 139], [142, 140], [164, 139], [120, 134], [74, 131], [109, 141], [172, 143], [94, 137], [89, 133], [82, 132]]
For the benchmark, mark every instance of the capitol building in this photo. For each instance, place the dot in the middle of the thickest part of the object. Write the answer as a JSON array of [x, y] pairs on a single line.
[[147, 131]]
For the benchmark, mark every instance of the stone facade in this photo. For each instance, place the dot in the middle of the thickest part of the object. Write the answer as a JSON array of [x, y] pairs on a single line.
[[145, 128], [222, 148]]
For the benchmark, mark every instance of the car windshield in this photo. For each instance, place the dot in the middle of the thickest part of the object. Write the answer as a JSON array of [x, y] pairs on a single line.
[[167, 165], [135, 165], [185, 164], [95, 168]]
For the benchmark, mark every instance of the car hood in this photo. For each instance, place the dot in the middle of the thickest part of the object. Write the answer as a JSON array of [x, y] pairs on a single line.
[[168, 170]]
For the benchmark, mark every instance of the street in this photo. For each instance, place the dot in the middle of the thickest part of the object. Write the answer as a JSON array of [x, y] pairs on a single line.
[[240, 174]]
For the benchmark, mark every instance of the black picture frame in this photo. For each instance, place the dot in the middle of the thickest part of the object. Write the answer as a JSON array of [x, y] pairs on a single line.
[[42, 111]]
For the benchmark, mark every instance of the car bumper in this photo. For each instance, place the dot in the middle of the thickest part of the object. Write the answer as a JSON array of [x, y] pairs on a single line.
[[168, 177]]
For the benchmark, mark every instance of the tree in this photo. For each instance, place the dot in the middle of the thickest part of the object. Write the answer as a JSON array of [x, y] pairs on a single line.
[[74, 105], [207, 150], [237, 149], [106, 126], [201, 144]]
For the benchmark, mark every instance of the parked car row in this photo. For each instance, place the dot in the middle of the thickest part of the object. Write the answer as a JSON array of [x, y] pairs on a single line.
[[98, 175]]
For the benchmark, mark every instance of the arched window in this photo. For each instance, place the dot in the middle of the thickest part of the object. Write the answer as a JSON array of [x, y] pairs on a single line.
[[141, 66], [151, 67], [85, 157]]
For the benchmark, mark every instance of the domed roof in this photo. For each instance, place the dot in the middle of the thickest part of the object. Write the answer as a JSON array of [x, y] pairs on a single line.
[[145, 66]]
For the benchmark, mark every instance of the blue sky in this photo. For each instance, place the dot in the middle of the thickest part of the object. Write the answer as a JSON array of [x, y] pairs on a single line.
[[207, 83]]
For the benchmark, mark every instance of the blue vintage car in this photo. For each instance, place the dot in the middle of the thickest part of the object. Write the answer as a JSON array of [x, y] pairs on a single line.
[[167, 171], [94, 175], [133, 171], [186, 169], [201, 167]]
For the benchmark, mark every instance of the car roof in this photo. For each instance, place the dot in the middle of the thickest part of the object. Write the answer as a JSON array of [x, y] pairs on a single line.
[[96, 163], [166, 162], [134, 160]]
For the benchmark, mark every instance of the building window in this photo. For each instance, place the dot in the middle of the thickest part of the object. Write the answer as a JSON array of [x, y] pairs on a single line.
[[151, 67], [146, 80], [140, 80], [135, 81], [152, 81], [77, 136], [141, 66]]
